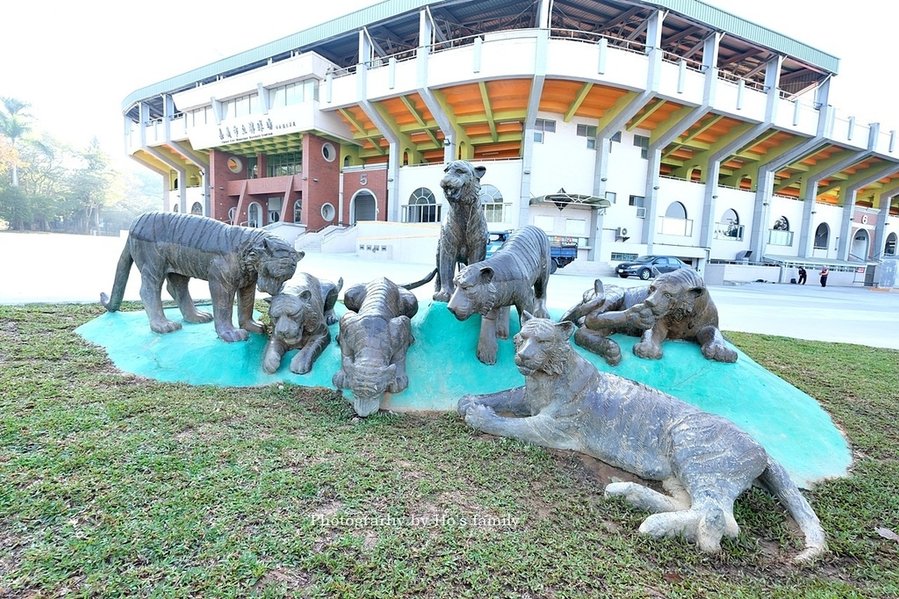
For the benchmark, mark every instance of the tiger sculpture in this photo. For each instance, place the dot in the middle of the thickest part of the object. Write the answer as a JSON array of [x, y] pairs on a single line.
[[677, 305], [704, 461], [517, 274], [300, 316], [463, 235], [374, 334], [172, 247]]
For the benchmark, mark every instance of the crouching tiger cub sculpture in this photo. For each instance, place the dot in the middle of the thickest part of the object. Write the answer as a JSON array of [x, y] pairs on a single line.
[[704, 461], [174, 247], [300, 316], [375, 333]]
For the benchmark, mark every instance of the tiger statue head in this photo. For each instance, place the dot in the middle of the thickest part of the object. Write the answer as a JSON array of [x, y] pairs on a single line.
[[462, 182], [294, 310], [274, 261], [542, 346], [475, 292], [678, 295]]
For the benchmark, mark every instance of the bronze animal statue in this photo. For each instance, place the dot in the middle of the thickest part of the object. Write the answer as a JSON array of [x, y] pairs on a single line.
[[463, 235], [517, 274], [374, 335], [174, 247], [300, 316], [677, 305], [704, 461]]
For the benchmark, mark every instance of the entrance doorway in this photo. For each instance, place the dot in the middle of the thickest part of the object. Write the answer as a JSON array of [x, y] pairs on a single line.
[[364, 207]]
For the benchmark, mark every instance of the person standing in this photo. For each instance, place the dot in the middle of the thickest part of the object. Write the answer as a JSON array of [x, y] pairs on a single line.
[[824, 273], [802, 275]]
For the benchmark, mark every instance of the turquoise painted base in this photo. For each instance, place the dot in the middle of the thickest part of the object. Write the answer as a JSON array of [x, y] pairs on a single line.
[[442, 367]]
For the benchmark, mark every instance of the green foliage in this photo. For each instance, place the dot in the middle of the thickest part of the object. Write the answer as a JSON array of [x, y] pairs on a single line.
[[115, 485], [54, 187]]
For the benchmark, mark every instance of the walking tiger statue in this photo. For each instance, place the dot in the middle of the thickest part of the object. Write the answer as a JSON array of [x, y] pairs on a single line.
[[704, 461], [172, 247]]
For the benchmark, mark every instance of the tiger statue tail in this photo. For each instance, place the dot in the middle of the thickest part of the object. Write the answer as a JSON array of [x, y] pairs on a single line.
[[420, 282], [112, 303]]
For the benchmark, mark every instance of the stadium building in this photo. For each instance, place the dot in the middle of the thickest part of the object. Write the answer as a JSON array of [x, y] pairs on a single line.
[[620, 126]]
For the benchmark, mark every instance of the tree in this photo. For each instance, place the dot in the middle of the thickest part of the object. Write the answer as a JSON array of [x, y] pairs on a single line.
[[90, 187], [13, 125]]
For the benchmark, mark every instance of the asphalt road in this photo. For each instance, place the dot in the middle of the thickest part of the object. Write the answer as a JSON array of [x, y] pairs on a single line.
[[56, 268]]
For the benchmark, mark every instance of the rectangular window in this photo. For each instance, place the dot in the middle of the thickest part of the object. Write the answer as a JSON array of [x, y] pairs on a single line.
[[279, 165], [636, 201], [547, 223], [642, 142], [588, 131], [621, 257], [293, 94], [576, 227], [611, 196], [542, 126]]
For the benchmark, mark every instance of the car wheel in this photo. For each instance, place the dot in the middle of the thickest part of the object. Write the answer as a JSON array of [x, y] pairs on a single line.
[[623, 275], [645, 274]]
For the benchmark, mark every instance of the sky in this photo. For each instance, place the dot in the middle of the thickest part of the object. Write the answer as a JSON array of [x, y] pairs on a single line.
[[75, 62]]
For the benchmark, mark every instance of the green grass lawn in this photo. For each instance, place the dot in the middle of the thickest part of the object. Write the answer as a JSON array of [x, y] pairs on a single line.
[[115, 485]]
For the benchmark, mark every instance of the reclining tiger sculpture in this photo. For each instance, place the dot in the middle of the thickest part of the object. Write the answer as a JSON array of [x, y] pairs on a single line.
[[174, 247], [676, 306], [517, 274], [463, 236], [374, 335], [704, 461], [300, 316]]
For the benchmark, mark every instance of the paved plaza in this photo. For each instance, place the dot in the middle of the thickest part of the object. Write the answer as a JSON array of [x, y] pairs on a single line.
[[57, 268]]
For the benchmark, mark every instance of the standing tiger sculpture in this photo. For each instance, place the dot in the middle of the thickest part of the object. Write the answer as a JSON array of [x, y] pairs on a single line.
[[704, 461], [676, 306], [374, 335], [173, 247], [517, 274], [463, 235]]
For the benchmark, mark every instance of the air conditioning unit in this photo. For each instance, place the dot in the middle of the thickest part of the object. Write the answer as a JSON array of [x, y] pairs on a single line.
[[641, 212], [621, 233]]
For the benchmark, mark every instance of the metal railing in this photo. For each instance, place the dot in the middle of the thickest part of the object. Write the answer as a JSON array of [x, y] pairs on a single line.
[[729, 231], [681, 227]]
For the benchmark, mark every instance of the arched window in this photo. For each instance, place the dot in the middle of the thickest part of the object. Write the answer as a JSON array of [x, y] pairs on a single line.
[[176, 208], [422, 206], [492, 202], [254, 215], [729, 227], [232, 212], [890, 248], [822, 236], [730, 217], [676, 210], [298, 211], [781, 224], [196, 208]]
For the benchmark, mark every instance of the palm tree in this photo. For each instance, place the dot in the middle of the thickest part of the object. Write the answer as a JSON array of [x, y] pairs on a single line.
[[13, 125]]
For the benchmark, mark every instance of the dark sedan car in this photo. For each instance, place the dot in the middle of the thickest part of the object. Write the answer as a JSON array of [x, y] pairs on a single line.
[[646, 267]]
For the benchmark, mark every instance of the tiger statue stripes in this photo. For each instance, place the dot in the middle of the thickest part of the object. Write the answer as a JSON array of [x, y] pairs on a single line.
[[676, 306], [173, 248], [374, 334], [517, 274], [704, 461]]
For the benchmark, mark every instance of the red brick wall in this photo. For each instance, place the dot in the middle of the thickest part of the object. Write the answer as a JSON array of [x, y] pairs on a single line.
[[373, 180], [322, 183], [219, 177]]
